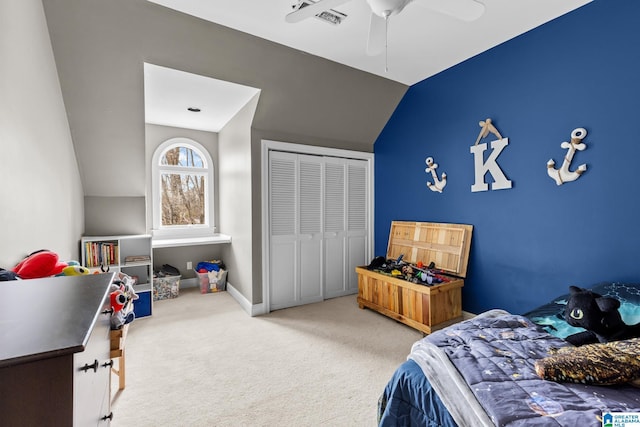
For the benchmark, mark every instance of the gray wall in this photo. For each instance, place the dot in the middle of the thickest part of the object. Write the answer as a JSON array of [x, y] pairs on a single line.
[[40, 189], [236, 201], [105, 216], [100, 47]]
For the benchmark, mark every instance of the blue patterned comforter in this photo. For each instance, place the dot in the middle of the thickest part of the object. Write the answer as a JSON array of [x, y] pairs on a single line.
[[483, 371]]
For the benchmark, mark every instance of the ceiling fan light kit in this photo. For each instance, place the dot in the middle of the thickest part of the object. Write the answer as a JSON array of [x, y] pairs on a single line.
[[382, 10], [387, 8], [331, 16], [308, 8]]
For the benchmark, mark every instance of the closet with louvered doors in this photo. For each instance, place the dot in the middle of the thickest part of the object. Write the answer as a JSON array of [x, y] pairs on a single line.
[[345, 224], [318, 228]]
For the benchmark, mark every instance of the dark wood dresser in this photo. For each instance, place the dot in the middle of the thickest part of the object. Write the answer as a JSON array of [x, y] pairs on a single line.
[[55, 351]]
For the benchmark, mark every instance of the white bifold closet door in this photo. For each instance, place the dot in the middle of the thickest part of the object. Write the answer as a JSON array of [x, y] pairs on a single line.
[[318, 227], [295, 197], [345, 224]]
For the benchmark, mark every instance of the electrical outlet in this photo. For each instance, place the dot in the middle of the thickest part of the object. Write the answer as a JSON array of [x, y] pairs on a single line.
[[189, 265]]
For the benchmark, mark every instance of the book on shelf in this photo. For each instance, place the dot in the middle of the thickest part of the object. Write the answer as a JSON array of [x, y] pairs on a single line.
[[100, 253], [136, 259]]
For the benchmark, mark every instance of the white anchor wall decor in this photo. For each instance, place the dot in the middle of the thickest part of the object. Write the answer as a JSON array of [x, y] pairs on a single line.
[[481, 167], [438, 184], [562, 175]]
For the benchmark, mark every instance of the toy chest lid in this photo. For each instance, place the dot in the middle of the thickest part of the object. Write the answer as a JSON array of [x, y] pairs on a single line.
[[446, 245]]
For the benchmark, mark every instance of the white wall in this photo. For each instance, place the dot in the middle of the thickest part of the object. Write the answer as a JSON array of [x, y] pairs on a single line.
[[41, 202]]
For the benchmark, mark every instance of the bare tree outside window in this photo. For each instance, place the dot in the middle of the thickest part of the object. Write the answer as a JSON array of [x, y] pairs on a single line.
[[183, 187]]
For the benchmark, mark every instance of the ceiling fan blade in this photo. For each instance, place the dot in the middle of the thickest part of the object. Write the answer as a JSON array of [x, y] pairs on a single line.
[[377, 35], [465, 10], [312, 9]]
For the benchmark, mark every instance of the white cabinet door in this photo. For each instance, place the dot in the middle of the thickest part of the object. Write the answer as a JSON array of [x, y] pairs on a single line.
[[295, 216]]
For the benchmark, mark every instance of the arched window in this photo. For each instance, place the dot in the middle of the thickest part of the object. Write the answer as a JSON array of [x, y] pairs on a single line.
[[182, 186]]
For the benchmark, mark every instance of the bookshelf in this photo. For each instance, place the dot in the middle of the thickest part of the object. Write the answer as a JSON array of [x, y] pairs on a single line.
[[129, 254]]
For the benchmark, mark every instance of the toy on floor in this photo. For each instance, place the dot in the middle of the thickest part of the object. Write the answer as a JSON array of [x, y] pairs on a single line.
[[599, 316]]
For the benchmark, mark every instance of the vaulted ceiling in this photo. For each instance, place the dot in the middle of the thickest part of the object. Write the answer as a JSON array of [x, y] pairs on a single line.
[[420, 41]]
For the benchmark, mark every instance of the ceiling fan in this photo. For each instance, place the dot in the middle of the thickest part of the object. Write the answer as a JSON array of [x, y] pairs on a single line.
[[382, 10]]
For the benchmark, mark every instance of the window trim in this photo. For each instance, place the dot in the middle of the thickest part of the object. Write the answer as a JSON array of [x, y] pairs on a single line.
[[188, 231]]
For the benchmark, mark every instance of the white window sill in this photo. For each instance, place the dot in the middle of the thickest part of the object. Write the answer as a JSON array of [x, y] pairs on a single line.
[[214, 239]]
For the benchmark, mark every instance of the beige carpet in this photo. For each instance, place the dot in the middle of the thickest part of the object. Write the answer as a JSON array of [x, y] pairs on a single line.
[[200, 360]]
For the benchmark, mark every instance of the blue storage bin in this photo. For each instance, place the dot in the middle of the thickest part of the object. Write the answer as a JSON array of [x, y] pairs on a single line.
[[142, 305]]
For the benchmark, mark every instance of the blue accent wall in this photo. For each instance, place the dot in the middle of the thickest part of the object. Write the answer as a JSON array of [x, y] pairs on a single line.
[[532, 241]]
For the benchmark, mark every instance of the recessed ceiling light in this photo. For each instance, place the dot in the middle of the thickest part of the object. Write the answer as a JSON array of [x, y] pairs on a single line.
[[193, 109]]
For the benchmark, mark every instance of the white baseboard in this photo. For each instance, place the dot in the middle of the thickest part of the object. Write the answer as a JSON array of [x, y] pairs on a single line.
[[251, 309]]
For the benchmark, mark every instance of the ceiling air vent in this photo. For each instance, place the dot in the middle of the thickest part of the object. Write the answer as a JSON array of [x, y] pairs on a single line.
[[331, 16]]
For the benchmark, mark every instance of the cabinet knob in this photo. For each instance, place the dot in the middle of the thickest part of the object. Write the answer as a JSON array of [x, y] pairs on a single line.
[[108, 364], [107, 417], [93, 366]]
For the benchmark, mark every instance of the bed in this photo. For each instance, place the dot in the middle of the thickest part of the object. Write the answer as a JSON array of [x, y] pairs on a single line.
[[482, 372]]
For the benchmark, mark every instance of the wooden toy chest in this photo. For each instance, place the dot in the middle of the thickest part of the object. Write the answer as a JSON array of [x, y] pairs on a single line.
[[426, 308]]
